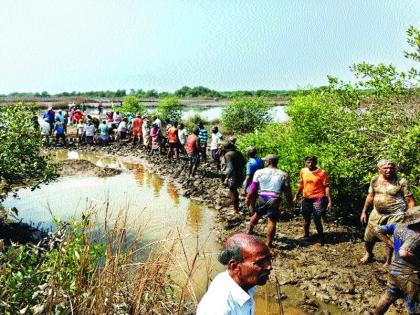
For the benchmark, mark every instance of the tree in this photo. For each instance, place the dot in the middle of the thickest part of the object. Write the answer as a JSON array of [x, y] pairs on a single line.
[[245, 114], [130, 104], [151, 93], [20, 145], [169, 107], [414, 41]]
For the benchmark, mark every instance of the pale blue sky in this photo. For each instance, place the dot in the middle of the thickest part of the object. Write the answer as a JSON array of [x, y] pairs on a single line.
[[56, 45]]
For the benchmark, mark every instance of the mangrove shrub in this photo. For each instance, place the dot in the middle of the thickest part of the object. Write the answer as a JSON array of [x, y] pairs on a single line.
[[245, 114], [20, 146], [169, 108], [350, 126], [131, 104]]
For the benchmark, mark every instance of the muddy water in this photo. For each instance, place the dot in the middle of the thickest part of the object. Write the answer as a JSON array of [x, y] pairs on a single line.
[[153, 203]]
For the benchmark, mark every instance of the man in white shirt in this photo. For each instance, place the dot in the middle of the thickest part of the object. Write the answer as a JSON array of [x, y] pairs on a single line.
[[45, 128], [216, 138], [89, 131], [158, 122], [264, 195], [248, 262]]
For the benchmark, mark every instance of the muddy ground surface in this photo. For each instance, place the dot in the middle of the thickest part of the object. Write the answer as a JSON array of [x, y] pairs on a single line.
[[329, 273], [85, 168]]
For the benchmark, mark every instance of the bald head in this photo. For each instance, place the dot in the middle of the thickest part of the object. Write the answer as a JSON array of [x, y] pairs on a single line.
[[235, 246]]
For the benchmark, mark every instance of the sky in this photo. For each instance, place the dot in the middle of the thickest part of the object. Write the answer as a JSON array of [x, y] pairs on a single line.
[[83, 45]]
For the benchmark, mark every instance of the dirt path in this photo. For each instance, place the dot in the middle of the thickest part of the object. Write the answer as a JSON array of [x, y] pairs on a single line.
[[330, 273]]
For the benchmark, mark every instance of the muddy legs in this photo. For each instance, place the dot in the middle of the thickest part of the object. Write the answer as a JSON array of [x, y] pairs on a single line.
[[368, 257], [384, 303]]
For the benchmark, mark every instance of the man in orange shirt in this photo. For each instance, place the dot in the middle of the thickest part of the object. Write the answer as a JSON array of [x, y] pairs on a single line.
[[316, 195], [136, 125], [173, 141]]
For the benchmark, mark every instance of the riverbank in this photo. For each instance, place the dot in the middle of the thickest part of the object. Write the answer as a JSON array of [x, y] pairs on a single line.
[[330, 273], [63, 102]]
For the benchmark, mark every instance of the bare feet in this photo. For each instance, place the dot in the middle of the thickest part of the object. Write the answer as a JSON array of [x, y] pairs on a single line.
[[384, 267], [367, 258]]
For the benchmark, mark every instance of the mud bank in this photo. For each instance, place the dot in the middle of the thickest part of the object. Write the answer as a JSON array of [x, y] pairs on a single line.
[[85, 168], [330, 274]]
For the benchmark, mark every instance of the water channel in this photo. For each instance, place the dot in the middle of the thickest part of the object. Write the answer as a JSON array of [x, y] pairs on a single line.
[[211, 113], [151, 202]]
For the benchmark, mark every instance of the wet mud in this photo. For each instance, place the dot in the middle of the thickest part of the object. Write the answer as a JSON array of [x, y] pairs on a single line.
[[330, 274], [85, 168]]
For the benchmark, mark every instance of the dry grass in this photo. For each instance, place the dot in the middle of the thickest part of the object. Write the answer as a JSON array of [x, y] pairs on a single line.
[[134, 278], [88, 269]]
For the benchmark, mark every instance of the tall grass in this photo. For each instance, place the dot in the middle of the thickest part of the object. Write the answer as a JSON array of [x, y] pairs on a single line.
[[81, 269]]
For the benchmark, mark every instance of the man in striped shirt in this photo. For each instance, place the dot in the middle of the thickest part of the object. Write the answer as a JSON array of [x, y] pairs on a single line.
[[203, 136]]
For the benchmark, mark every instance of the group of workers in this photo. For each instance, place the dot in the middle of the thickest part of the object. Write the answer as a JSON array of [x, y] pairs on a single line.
[[394, 219], [247, 258]]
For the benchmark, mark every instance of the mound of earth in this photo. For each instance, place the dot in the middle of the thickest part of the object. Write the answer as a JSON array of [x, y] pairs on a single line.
[[85, 168]]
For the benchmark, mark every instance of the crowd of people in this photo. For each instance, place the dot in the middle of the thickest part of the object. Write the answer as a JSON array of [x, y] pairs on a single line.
[[262, 184]]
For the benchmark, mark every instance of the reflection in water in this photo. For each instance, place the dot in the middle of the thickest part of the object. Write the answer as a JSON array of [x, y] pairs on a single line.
[[157, 183], [194, 216], [98, 160], [139, 174], [172, 193]]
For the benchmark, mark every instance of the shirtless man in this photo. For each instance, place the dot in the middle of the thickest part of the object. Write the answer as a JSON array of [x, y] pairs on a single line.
[[390, 196]]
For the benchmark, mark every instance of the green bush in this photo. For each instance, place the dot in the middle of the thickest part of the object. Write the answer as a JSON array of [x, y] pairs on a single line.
[[20, 146], [245, 114], [131, 105], [193, 121], [350, 127], [41, 279], [169, 107], [347, 142]]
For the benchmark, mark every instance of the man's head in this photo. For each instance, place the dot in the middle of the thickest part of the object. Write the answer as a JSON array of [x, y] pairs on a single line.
[[227, 146], [311, 162], [387, 168], [215, 129], [175, 124], [248, 260], [181, 126], [251, 152], [200, 124], [196, 131], [272, 160], [232, 139]]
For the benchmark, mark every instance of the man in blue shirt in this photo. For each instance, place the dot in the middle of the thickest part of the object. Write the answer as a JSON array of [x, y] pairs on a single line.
[[103, 133], [59, 132], [254, 164], [50, 115], [404, 277]]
